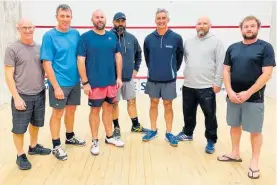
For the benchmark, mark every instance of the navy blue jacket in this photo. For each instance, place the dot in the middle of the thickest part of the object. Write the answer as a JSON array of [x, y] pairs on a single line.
[[163, 55], [131, 54]]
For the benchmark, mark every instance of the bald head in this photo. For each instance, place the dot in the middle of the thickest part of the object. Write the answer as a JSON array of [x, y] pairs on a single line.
[[23, 21], [203, 26], [98, 19]]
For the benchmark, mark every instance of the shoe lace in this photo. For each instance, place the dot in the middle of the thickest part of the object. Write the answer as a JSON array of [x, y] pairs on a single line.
[[171, 136], [24, 158], [60, 151]]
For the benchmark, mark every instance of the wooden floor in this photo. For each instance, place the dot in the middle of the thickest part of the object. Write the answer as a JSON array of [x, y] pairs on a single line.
[[140, 163]]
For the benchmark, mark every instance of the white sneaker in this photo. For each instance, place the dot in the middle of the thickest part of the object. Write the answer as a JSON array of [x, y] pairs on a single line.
[[59, 153], [94, 150], [115, 141]]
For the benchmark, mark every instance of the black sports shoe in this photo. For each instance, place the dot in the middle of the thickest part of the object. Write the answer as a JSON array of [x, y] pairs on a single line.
[[39, 150], [75, 141], [23, 163]]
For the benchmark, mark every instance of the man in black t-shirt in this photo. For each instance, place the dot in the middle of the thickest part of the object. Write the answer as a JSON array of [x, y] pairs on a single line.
[[248, 66]]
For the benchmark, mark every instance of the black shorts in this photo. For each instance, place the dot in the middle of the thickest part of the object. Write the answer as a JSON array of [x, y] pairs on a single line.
[[72, 96], [34, 113]]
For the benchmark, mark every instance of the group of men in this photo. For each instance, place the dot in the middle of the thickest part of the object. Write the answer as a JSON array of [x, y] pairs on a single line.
[[107, 61]]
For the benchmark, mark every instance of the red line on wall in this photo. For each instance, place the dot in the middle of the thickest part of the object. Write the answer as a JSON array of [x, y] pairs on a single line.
[[151, 27]]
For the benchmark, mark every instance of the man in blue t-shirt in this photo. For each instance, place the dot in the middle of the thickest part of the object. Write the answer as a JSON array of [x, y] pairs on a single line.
[[58, 53], [100, 68], [248, 66]]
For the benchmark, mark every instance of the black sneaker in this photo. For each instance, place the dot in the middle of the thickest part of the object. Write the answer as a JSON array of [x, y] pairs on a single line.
[[75, 141], [39, 150], [140, 129], [116, 132], [23, 163]]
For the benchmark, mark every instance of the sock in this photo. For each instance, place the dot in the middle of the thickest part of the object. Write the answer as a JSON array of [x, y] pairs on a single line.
[[115, 123], [69, 135], [135, 122], [94, 140], [56, 142], [109, 137]]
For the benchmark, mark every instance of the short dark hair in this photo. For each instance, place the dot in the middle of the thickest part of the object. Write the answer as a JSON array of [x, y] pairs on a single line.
[[63, 7], [250, 17]]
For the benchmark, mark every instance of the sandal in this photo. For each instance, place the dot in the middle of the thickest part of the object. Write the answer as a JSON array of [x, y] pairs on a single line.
[[228, 159], [251, 176]]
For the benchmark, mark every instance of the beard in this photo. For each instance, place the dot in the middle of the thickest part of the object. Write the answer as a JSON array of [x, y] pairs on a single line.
[[201, 33], [99, 27], [253, 36], [120, 29]]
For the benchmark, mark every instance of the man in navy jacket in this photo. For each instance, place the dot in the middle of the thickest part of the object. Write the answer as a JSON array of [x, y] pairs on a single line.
[[163, 51], [131, 55]]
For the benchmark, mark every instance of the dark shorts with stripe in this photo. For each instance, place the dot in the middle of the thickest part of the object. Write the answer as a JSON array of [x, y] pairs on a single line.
[[34, 113], [98, 96]]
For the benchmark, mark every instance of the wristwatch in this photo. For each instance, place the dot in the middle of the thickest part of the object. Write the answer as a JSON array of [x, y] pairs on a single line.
[[85, 83]]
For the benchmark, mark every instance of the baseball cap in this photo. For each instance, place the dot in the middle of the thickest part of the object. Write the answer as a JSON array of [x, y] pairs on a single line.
[[119, 15]]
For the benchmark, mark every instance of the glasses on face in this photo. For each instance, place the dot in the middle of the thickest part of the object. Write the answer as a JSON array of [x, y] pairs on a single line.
[[25, 28]]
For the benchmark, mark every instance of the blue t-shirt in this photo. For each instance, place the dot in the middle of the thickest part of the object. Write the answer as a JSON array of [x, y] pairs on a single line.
[[246, 62], [60, 48], [99, 51]]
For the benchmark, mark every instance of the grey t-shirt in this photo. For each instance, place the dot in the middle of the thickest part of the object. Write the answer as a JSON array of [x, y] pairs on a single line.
[[28, 73]]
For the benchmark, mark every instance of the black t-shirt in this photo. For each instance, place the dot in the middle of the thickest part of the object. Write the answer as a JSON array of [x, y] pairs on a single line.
[[246, 63]]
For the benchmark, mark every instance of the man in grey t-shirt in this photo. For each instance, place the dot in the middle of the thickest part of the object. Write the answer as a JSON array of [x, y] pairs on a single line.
[[25, 79]]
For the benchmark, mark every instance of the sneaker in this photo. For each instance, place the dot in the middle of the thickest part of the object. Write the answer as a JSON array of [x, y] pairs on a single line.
[[209, 148], [23, 163], [183, 137], [75, 141], [171, 139], [139, 128], [114, 141], [116, 132], [59, 153], [39, 149], [150, 135], [94, 150]]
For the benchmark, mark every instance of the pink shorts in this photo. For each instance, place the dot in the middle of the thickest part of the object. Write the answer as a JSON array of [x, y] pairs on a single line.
[[97, 96]]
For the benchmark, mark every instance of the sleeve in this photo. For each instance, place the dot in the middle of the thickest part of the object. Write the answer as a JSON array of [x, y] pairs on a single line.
[[227, 60], [9, 59], [137, 55], [47, 50], [81, 47], [146, 51], [118, 48], [179, 52], [219, 60], [268, 56]]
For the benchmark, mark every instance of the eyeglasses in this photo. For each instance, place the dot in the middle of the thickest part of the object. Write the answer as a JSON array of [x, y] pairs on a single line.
[[24, 28]]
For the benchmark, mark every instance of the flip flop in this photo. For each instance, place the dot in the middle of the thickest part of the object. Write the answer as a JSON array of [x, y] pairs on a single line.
[[229, 159], [252, 172]]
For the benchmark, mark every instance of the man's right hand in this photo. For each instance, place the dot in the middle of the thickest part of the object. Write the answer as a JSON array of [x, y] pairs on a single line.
[[59, 93], [233, 97], [87, 89], [19, 103]]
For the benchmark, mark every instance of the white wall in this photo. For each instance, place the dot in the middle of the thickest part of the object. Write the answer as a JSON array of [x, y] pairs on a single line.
[[9, 13], [142, 14]]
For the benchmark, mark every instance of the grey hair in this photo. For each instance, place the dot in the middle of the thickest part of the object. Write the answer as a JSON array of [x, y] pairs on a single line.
[[162, 10], [63, 7]]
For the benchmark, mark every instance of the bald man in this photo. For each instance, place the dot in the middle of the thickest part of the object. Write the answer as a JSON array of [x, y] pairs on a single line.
[[25, 80], [100, 68], [204, 57]]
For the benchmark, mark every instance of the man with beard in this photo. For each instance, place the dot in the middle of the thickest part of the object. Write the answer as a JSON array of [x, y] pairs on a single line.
[[98, 56], [131, 56], [248, 66], [58, 53], [163, 51], [204, 56]]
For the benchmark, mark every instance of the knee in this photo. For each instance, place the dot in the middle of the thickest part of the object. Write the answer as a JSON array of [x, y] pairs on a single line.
[[57, 113], [131, 102], [167, 105], [154, 103], [115, 105], [95, 110], [236, 129], [71, 109]]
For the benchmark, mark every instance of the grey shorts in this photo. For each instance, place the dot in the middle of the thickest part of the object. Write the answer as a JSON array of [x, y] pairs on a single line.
[[127, 91], [34, 113], [72, 96], [248, 115], [166, 91]]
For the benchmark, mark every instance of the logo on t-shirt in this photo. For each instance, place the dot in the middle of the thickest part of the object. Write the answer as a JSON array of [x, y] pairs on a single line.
[[168, 46], [110, 38]]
